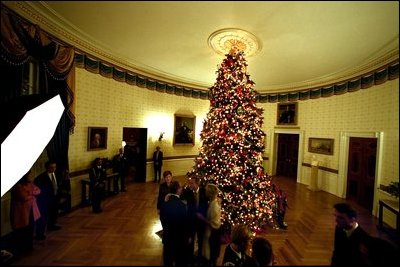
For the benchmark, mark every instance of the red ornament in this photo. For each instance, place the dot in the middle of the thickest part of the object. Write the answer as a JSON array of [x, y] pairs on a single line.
[[229, 62]]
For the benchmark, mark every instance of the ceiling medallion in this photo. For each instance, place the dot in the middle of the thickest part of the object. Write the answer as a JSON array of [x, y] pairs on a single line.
[[225, 40]]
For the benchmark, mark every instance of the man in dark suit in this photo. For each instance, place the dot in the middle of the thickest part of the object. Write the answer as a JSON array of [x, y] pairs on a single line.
[[158, 162], [48, 200], [97, 176], [196, 201], [350, 239], [175, 238], [120, 165]]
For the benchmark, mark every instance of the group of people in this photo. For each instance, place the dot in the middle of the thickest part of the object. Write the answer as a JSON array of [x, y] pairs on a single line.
[[193, 212], [35, 202], [188, 213], [120, 165], [190, 216], [35, 206]]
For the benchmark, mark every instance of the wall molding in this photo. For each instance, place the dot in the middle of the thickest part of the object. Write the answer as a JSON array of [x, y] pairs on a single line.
[[321, 168]]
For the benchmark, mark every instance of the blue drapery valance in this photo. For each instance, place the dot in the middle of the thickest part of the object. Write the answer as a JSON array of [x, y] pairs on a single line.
[[389, 72]]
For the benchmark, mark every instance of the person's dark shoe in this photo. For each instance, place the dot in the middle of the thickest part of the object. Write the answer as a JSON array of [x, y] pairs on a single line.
[[283, 226], [54, 228], [40, 237]]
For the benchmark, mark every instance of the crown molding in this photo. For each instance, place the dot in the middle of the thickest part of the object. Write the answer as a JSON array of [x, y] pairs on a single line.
[[340, 76]]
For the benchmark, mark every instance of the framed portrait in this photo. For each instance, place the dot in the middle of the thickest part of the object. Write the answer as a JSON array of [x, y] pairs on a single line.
[[184, 129], [320, 145], [287, 114], [97, 138]]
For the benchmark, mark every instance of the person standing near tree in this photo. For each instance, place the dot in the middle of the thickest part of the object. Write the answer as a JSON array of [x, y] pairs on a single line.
[[163, 190], [281, 206], [173, 214], [157, 162], [212, 234], [196, 201]]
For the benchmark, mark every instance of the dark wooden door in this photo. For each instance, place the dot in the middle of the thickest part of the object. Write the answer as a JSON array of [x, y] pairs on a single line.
[[135, 152], [361, 171], [288, 150]]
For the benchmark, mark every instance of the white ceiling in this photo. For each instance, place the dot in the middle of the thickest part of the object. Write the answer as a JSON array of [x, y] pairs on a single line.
[[303, 43]]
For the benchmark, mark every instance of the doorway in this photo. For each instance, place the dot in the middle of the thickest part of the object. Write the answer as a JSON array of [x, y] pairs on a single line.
[[287, 157], [135, 152], [361, 171]]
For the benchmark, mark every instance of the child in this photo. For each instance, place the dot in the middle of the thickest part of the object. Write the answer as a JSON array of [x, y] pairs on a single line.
[[280, 207]]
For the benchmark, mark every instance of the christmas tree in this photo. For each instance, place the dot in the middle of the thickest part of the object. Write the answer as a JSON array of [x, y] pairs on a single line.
[[232, 147]]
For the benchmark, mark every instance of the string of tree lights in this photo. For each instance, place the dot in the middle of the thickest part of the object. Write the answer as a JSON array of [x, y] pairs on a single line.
[[232, 147]]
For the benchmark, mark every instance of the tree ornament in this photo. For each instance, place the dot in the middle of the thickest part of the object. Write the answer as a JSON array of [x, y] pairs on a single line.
[[239, 111]]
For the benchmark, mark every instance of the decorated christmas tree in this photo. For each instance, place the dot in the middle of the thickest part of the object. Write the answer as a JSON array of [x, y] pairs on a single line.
[[232, 147]]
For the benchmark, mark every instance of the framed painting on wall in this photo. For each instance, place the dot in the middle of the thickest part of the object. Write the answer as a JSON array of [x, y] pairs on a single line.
[[287, 114], [320, 145], [97, 138], [184, 129]]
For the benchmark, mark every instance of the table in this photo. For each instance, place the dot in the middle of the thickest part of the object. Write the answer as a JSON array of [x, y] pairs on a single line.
[[85, 182], [391, 205], [314, 176]]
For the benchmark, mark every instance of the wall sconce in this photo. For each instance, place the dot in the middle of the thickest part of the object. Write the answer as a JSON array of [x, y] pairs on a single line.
[[161, 136], [123, 144]]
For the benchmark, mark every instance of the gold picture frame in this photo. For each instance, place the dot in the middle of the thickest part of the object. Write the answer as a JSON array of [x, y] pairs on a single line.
[[321, 145], [184, 129], [287, 114]]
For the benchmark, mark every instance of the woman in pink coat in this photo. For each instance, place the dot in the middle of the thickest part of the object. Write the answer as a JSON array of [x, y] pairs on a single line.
[[24, 212]]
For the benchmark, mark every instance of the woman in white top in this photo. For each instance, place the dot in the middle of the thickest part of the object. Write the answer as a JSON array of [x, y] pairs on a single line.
[[212, 236]]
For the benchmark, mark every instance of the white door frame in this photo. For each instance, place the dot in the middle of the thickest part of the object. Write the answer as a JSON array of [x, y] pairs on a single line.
[[274, 150]]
